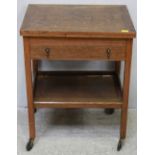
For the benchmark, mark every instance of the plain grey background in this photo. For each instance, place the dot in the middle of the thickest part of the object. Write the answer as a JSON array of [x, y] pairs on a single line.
[[22, 5]]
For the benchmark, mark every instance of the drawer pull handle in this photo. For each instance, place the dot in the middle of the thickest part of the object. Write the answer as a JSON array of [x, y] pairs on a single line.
[[47, 51], [108, 53]]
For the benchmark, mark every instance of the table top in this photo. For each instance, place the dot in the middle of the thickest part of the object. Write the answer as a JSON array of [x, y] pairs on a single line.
[[105, 21]]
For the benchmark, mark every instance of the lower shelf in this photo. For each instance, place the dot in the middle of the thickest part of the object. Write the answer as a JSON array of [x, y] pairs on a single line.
[[77, 91]]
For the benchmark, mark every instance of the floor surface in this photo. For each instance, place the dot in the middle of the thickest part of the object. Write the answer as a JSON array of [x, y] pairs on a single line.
[[76, 132]]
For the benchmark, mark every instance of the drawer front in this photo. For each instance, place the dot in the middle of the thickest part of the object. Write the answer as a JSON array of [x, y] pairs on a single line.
[[78, 51]]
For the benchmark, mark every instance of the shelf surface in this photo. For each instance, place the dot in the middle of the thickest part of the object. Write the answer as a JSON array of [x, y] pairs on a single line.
[[75, 91]]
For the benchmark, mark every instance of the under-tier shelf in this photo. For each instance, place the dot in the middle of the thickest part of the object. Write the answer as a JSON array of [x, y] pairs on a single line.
[[77, 90]]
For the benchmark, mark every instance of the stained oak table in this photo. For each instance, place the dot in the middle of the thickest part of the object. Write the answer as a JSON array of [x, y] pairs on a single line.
[[77, 32]]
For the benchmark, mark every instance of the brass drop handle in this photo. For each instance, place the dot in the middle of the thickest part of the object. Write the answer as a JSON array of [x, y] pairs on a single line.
[[108, 53], [47, 51]]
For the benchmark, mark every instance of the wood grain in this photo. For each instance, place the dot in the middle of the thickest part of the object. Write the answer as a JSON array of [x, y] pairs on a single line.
[[77, 91], [77, 49], [77, 32], [78, 52], [127, 70], [106, 21], [29, 88]]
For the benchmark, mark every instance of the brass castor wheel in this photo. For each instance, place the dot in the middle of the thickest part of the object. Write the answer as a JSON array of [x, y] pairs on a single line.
[[119, 146], [109, 111], [35, 110], [29, 145]]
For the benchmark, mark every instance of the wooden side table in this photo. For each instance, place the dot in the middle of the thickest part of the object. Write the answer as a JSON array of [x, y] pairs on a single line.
[[74, 32]]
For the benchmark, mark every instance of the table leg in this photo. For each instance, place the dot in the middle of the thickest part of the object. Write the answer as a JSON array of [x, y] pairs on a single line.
[[124, 109], [35, 64], [35, 67], [117, 67], [29, 94], [110, 111]]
